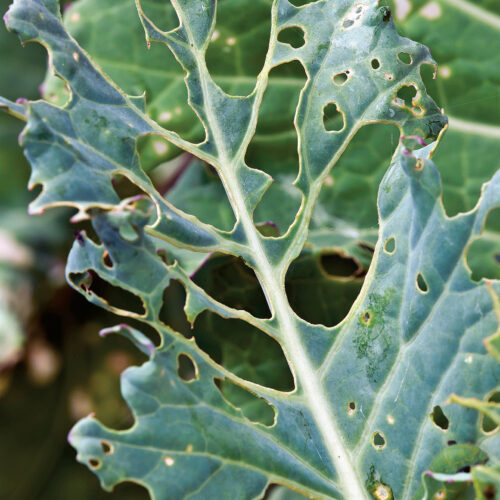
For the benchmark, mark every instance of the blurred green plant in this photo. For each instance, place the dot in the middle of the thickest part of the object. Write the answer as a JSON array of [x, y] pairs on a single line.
[[345, 224]]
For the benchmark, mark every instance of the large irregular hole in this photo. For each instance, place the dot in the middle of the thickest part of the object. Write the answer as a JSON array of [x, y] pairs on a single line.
[[421, 283], [406, 94], [333, 118], [351, 197], [238, 47], [186, 368], [483, 256], [335, 264], [233, 283], [172, 310], [488, 425], [439, 418], [199, 192], [252, 406], [293, 35], [233, 343], [240, 348], [273, 149], [124, 187], [306, 283], [115, 296]]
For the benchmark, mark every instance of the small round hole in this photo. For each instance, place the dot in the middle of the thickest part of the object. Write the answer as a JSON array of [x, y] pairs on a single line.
[[366, 317], [439, 418], [340, 78], [451, 442], [375, 63], [107, 448], [378, 440], [106, 260], [390, 245], [351, 408], [405, 58], [417, 110], [94, 463], [422, 286]]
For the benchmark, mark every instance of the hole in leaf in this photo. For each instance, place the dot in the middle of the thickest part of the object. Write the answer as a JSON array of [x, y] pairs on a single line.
[[107, 448], [130, 490], [488, 425], [351, 408], [406, 94], [273, 149], [106, 260], [199, 192], [186, 368], [375, 63], [366, 317], [439, 418], [293, 35], [94, 463], [483, 256], [233, 283], [124, 187], [333, 118], [238, 346], [387, 15], [234, 36], [390, 245], [357, 175], [172, 311], [378, 440], [421, 283], [234, 344], [252, 406], [451, 442], [340, 78], [114, 296], [405, 58], [335, 264], [300, 3], [307, 284]]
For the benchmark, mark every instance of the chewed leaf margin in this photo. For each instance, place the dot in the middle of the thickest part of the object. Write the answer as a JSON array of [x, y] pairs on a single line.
[[311, 444]]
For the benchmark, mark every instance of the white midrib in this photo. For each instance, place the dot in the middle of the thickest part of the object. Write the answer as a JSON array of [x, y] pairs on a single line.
[[351, 485]]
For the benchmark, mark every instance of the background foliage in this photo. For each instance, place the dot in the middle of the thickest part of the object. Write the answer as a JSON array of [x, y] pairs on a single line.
[[60, 374]]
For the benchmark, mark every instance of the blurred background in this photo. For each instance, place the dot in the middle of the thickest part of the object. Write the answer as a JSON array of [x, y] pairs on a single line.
[[55, 369]]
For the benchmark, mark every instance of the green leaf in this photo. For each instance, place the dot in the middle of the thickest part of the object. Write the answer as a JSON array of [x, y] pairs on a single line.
[[365, 415]]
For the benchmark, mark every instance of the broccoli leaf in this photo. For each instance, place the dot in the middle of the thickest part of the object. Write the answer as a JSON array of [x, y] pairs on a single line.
[[365, 416]]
